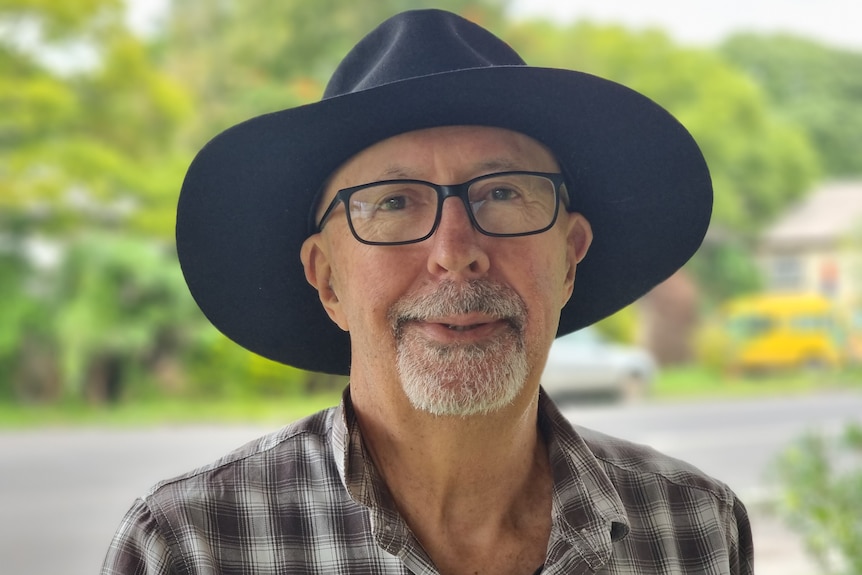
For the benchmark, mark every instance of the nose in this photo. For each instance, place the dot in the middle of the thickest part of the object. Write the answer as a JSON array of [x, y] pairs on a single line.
[[457, 248]]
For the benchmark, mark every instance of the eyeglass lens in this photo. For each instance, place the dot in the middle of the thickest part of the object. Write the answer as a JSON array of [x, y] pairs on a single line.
[[403, 211]]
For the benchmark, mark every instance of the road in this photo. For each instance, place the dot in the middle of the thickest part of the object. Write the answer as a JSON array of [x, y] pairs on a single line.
[[734, 440], [64, 491]]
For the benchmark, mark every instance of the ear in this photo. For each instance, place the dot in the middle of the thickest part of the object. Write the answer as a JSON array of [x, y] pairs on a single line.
[[579, 236], [317, 264]]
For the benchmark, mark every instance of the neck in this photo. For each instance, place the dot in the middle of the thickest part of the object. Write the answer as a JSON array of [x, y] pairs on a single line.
[[475, 491], [472, 472]]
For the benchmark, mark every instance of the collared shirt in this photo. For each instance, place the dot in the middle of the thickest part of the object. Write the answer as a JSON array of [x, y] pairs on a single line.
[[308, 499]]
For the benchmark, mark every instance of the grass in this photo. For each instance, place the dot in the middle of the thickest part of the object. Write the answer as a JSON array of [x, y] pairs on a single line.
[[694, 382], [277, 410], [677, 384]]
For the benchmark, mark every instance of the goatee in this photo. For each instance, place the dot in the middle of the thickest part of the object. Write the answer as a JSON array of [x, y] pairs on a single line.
[[461, 379]]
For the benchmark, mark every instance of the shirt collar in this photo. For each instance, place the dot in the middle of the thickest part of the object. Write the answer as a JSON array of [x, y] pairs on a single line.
[[363, 482], [588, 514]]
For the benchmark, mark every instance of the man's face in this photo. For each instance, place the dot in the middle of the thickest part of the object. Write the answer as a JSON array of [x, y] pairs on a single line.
[[462, 321]]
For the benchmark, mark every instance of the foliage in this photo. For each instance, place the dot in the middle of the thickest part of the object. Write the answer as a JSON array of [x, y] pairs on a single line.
[[89, 146], [23, 321], [112, 319], [725, 268], [621, 327], [814, 86], [712, 345], [245, 58], [121, 307], [92, 147], [821, 484], [109, 307], [218, 368]]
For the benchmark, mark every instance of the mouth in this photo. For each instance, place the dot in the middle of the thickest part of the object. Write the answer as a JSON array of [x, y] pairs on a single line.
[[462, 327], [468, 322], [455, 313], [464, 321], [446, 331]]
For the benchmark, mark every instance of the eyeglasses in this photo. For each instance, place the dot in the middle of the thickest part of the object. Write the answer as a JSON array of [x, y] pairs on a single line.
[[504, 204]]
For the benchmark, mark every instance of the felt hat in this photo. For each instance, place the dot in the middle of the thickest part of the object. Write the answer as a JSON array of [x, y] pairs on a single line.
[[244, 210]]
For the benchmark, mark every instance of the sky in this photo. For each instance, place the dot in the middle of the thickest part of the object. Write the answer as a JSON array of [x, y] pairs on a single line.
[[835, 23]]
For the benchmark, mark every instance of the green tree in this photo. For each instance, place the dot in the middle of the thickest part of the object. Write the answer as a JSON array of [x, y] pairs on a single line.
[[121, 309], [241, 58], [89, 143], [86, 143], [817, 87], [24, 320]]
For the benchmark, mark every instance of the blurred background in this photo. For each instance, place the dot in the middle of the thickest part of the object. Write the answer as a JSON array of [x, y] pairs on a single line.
[[756, 343]]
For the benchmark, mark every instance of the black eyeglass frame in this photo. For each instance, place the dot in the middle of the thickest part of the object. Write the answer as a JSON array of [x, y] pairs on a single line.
[[449, 191]]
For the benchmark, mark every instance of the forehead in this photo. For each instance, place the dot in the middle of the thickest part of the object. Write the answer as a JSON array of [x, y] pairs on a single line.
[[444, 155]]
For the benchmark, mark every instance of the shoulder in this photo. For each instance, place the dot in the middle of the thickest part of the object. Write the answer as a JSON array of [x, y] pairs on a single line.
[[286, 454], [635, 468], [630, 467], [237, 506], [667, 501]]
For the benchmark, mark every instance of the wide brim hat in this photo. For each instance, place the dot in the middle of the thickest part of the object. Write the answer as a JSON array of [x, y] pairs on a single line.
[[631, 168]]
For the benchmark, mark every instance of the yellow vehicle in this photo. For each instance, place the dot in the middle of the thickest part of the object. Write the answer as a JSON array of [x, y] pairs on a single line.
[[778, 331]]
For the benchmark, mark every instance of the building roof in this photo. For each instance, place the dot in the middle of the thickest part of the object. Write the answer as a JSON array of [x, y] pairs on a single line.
[[824, 217]]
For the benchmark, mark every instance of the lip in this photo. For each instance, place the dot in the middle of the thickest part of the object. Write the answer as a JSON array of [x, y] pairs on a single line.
[[465, 329]]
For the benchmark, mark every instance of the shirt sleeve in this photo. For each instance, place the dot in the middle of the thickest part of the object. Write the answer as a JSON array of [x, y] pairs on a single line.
[[139, 547], [740, 543]]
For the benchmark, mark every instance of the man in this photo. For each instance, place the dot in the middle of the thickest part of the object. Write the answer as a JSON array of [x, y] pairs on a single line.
[[443, 199]]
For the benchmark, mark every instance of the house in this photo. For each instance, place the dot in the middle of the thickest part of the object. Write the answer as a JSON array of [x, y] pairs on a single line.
[[816, 247]]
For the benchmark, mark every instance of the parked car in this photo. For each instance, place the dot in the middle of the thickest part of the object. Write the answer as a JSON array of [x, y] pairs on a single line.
[[584, 363]]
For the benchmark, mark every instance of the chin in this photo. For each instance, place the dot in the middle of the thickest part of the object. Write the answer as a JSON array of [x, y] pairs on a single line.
[[462, 381]]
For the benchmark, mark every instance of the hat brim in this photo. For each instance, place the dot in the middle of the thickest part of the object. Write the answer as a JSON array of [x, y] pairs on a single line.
[[634, 171]]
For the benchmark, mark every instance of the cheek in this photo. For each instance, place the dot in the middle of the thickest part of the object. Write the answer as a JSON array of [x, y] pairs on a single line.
[[367, 283], [547, 280], [541, 282], [372, 285]]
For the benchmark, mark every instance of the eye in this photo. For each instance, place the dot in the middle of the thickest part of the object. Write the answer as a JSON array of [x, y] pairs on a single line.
[[392, 203], [389, 199], [501, 193]]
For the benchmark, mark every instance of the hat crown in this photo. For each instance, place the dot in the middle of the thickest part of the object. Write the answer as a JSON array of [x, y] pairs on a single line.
[[418, 43]]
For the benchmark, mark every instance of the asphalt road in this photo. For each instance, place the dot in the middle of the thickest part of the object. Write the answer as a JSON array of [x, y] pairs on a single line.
[[736, 441], [64, 491]]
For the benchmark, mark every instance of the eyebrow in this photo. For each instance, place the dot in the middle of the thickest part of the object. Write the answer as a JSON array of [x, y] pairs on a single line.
[[395, 171]]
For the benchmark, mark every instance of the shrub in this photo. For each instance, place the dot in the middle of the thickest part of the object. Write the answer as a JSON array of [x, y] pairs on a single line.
[[821, 497]]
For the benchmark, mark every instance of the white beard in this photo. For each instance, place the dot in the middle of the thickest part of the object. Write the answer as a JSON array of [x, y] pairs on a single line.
[[461, 380]]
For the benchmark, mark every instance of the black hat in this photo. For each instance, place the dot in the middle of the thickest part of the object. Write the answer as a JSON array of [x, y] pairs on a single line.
[[631, 169]]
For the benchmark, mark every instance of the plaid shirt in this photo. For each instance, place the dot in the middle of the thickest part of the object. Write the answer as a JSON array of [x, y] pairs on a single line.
[[307, 499]]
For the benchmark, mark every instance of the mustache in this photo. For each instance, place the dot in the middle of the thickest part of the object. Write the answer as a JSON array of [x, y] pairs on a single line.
[[451, 298]]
